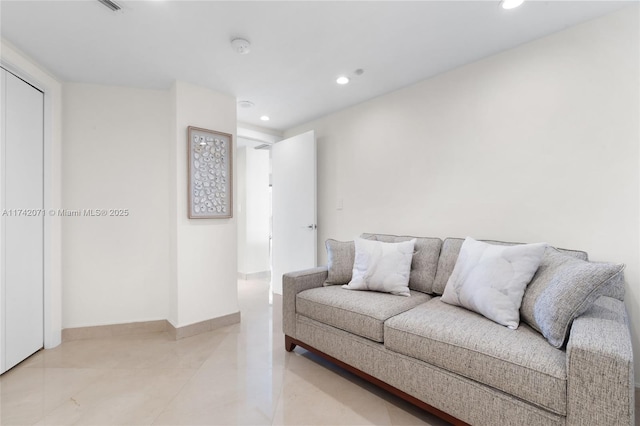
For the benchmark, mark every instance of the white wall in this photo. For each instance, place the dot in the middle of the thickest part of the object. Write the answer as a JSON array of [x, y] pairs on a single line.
[[26, 68], [204, 251], [539, 143], [125, 148], [116, 156]]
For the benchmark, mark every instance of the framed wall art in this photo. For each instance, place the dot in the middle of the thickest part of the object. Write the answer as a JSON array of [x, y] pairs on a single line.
[[210, 174]]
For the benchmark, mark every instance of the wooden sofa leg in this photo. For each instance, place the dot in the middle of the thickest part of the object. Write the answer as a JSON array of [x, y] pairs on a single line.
[[289, 344]]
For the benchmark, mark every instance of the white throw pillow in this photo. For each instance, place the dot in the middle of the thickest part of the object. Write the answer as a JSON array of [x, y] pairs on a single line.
[[382, 266], [491, 279]]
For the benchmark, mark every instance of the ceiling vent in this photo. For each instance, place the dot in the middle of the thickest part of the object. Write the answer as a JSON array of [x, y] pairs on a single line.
[[245, 104], [241, 46], [111, 5]]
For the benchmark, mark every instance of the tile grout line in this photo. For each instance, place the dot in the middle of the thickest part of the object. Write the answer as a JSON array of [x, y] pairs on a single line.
[[164, 410], [280, 393], [195, 371]]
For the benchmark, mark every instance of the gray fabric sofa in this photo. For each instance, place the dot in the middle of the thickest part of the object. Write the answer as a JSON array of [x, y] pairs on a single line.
[[457, 364]]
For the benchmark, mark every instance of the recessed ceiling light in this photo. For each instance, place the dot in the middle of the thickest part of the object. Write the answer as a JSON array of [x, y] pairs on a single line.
[[511, 4], [342, 80], [264, 118]]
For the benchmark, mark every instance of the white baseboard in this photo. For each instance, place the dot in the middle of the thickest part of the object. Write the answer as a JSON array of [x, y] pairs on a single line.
[[203, 326], [103, 331], [133, 328]]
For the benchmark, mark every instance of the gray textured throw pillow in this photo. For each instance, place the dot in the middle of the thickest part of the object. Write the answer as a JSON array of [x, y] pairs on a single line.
[[340, 256], [564, 288]]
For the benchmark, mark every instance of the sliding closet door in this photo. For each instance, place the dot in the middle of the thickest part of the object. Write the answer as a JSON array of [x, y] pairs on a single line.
[[22, 221]]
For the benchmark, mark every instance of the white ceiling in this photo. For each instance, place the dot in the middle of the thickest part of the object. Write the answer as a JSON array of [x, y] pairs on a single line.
[[298, 48]]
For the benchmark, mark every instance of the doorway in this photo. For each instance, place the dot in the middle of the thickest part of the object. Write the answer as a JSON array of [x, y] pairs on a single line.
[[253, 165], [277, 226]]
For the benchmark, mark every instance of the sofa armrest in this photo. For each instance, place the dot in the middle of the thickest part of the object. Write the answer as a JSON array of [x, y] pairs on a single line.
[[600, 381], [292, 284]]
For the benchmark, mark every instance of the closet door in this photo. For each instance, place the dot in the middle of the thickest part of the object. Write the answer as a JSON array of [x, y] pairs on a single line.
[[22, 231]]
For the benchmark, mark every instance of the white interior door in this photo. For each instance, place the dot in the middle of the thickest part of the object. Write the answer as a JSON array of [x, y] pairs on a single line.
[[22, 221], [293, 180]]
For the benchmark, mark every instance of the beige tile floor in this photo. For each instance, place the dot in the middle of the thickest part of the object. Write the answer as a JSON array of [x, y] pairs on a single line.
[[238, 375]]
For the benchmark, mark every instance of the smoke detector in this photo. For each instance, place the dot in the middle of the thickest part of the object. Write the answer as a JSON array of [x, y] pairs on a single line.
[[245, 104], [241, 46]]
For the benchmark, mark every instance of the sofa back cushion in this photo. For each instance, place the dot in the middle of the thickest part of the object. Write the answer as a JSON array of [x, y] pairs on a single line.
[[449, 256], [425, 259]]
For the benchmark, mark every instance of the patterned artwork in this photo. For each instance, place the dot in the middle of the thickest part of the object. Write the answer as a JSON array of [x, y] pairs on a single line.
[[210, 164]]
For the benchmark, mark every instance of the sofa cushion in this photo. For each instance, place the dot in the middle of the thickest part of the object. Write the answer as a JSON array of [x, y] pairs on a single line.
[[449, 255], [490, 279], [383, 267], [563, 288], [425, 259], [340, 258], [519, 362], [358, 312]]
